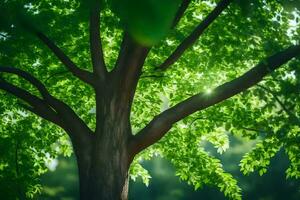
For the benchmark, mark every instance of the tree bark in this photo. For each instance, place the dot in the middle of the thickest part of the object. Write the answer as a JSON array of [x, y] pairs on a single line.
[[103, 161], [106, 177]]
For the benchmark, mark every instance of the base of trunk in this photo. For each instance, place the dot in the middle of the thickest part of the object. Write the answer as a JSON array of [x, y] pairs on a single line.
[[106, 178]]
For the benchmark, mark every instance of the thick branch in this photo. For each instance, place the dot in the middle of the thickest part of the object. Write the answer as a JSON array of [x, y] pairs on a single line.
[[76, 71], [129, 66], [184, 5], [95, 43], [192, 38], [123, 78], [49, 107], [162, 123], [39, 85], [37, 105]]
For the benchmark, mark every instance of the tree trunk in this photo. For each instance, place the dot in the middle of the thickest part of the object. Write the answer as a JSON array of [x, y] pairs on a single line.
[[103, 173], [103, 164], [108, 181]]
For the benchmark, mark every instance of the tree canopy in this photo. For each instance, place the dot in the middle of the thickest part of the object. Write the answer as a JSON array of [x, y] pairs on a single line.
[[199, 53]]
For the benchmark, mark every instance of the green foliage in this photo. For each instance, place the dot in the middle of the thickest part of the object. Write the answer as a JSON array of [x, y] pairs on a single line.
[[294, 170], [241, 37], [259, 157], [219, 139], [136, 170], [27, 147]]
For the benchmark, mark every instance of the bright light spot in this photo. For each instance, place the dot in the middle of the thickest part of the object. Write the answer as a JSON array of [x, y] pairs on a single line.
[[164, 102], [22, 113], [183, 126], [199, 75], [170, 42], [290, 75], [36, 63], [198, 16], [3, 36], [208, 91], [36, 12], [293, 25], [93, 110], [29, 6], [52, 164]]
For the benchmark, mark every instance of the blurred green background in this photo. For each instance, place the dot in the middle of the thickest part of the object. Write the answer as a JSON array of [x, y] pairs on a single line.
[[62, 182]]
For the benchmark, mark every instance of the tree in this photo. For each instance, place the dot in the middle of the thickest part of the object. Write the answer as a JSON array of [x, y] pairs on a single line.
[[241, 44]]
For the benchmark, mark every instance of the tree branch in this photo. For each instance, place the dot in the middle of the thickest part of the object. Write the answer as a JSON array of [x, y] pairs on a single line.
[[163, 122], [38, 106], [95, 43], [76, 71], [49, 107], [39, 85], [129, 66], [192, 38], [45, 112], [184, 5], [124, 77]]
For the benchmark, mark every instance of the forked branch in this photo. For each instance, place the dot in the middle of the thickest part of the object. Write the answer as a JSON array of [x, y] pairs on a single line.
[[37, 105], [163, 122], [84, 75], [49, 107], [39, 85], [197, 32], [76, 71]]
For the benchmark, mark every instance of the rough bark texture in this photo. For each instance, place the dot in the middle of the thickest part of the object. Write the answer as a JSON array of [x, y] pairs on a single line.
[[103, 172], [103, 164]]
